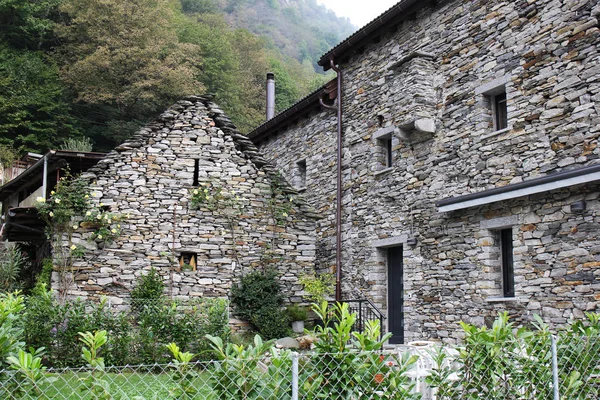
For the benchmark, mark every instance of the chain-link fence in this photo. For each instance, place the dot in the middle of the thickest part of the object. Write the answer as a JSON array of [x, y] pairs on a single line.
[[530, 368]]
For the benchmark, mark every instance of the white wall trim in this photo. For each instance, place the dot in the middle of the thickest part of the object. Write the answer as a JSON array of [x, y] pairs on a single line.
[[545, 187]]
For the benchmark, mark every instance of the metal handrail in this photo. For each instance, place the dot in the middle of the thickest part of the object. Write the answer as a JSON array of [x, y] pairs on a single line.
[[370, 311]]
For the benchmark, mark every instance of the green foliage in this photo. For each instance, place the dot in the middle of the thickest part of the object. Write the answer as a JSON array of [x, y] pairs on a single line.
[[77, 144], [12, 261], [506, 362], [318, 286], [183, 374], [34, 113], [94, 384], [236, 375], [258, 299], [149, 287], [297, 313], [208, 195], [30, 373], [346, 362], [11, 334], [70, 198], [27, 24], [107, 225]]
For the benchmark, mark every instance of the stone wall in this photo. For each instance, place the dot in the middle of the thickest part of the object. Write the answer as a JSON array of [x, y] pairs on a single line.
[[544, 54], [149, 179]]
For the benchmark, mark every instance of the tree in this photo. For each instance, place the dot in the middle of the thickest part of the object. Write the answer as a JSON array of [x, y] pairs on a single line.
[[27, 24], [126, 54], [34, 114]]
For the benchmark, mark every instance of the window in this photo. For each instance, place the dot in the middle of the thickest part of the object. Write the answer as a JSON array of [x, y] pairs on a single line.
[[494, 102], [385, 146], [500, 112], [506, 257], [188, 261], [195, 181], [388, 152], [300, 175]]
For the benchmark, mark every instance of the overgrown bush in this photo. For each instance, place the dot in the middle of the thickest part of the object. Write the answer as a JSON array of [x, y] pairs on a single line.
[[133, 338], [258, 299]]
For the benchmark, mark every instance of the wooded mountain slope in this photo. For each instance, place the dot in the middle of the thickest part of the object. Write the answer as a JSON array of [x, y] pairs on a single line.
[[102, 68]]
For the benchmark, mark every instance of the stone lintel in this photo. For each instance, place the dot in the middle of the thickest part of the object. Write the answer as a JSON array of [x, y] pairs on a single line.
[[390, 242], [499, 223], [384, 133], [493, 87]]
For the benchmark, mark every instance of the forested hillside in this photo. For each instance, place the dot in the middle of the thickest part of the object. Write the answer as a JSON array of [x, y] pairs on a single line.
[[102, 68]]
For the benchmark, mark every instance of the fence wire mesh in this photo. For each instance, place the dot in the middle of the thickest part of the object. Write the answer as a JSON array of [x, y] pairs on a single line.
[[531, 368]]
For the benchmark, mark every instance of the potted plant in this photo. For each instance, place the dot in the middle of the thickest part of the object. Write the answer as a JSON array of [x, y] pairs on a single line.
[[297, 315]]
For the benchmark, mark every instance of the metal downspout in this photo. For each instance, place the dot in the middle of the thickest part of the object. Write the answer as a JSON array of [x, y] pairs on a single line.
[[338, 234], [45, 178], [338, 219]]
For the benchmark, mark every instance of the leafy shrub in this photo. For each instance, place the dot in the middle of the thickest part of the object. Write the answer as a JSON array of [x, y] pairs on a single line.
[[258, 299], [12, 261], [297, 313], [148, 290], [11, 307]]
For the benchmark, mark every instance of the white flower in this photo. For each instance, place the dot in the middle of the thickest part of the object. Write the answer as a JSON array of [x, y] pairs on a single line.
[[57, 201], [195, 191], [75, 227], [285, 214], [53, 192], [73, 247], [88, 213], [113, 230], [86, 196], [99, 236], [40, 200], [101, 204], [118, 226], [94, 194], [99, 216], [51, 214]]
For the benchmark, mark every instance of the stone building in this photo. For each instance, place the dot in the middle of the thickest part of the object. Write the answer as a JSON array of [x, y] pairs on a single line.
[[150, 180], [469, 170]]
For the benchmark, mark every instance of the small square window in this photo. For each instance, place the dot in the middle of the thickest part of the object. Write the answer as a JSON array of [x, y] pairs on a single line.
[[188, 261]]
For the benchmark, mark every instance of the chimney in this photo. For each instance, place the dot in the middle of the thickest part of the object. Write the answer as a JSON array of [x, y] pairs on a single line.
[[270, 95]]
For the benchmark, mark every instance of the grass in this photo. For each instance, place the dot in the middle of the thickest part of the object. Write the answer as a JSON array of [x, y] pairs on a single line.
[[123, 385]]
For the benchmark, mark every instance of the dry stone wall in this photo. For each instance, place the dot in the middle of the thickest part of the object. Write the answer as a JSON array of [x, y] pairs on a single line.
[[149, 179], [544, 55]]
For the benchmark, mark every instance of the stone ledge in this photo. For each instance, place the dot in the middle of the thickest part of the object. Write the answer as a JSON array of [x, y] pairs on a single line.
[[383, 171], [505, 299]]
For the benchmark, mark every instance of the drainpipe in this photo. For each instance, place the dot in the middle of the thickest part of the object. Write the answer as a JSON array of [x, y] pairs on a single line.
[[338, 219], [270, 95], [45, 178]]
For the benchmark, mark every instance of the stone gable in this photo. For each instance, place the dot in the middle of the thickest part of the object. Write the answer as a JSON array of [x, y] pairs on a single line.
[[149, 178]]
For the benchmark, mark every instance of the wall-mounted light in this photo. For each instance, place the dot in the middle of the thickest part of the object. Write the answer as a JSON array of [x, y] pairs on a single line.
[[578, 207]]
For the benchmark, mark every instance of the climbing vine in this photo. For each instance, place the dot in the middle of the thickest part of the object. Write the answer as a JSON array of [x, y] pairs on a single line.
[[68, 209]]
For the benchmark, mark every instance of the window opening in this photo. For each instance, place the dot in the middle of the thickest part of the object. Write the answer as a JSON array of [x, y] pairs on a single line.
[[388, 152], [188, 261], [508, 276], [500, 111], [196, 172], [301, 174]]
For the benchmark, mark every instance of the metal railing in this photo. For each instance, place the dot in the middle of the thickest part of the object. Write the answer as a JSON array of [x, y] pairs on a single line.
[[365, 311]]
